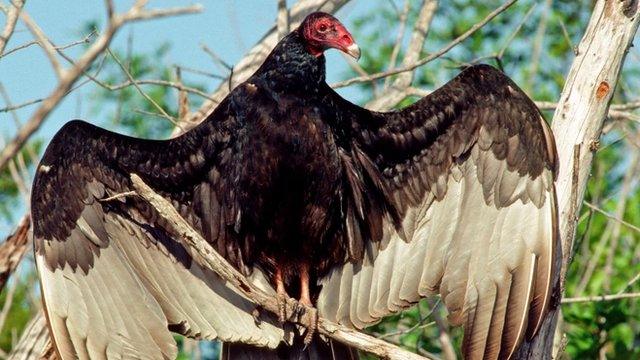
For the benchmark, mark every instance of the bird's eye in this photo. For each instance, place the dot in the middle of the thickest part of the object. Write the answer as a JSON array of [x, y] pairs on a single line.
[[322, 28]]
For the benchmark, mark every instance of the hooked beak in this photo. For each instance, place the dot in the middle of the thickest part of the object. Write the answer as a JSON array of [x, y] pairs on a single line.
[[354, 51]]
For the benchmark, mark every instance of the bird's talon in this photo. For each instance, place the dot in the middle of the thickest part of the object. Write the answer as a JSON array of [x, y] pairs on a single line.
[[312, 323], [282, 308]]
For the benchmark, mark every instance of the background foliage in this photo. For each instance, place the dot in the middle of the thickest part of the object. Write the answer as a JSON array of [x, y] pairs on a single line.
[[535, 41]]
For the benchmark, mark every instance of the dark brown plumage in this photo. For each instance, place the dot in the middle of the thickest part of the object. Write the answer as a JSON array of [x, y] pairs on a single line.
[[297, 187]]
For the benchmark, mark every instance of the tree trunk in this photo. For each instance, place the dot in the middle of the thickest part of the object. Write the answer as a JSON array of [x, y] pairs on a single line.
[[577, 124]]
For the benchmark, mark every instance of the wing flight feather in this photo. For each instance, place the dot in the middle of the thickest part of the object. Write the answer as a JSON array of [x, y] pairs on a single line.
[[471, 170]]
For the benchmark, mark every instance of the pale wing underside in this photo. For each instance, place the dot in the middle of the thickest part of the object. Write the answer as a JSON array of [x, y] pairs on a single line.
[[134, 292], [490, 263]]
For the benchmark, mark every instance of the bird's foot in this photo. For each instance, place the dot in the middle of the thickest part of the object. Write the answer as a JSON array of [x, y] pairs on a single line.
[[282, 307], [281, 296], [307, 315]]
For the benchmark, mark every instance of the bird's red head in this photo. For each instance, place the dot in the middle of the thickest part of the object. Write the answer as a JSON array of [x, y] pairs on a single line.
[[322, 31]]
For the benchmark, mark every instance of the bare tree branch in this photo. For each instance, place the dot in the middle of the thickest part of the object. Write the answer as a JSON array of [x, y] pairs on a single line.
[[183, 98], [71, 75], [398, 42], [282, 22], [431, 57], [144, 95], [12, 18], [615, 217], [44, 42], [209, 258], [84, 40]]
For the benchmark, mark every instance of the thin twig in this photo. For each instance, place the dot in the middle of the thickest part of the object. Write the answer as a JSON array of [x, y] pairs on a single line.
[[200, 72], [398, 89], [183, 99], [44, 43], [18, 48], [537, 45], [216, 59], [612, 217], [402, 20], [431, 57], [419, 325], [175, 85], [500, 54], [135, 84], [178, 86], [72, 75], [600, 298], [629, 283], [565, 33], [12, 15]]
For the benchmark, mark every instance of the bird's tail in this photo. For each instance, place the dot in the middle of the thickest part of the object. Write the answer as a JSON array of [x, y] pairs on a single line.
[[319, 349]]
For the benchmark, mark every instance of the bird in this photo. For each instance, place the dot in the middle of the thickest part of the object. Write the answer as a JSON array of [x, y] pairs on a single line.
[[358, 214]]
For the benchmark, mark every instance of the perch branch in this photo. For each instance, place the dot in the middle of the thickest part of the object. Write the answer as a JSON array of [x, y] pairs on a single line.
[[210, 259]]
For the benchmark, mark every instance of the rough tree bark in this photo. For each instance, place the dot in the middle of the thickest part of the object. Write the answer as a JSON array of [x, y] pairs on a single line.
[[577, 124], [12, 250]]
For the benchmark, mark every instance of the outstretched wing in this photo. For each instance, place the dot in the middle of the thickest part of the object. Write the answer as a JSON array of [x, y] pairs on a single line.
[[114, 281], [470, 170]]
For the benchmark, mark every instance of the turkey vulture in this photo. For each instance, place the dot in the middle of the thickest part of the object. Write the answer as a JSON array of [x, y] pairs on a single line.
[[355, 212]]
